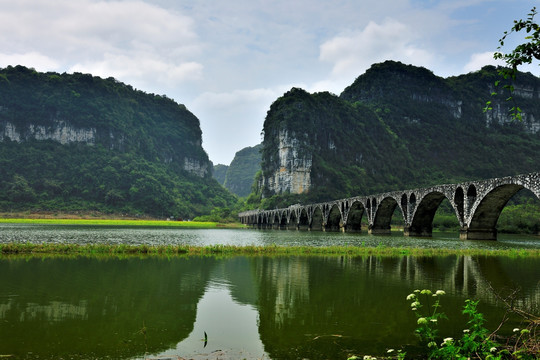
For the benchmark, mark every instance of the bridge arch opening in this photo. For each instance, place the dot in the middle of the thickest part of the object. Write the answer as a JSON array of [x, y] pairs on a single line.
[[422, 221], [522, 214], [303, 220], [317, 219], [293, 221], [412, 199], [335, 220], [283, 220], [459, 200], [385, 217], [355, 217], [446, 217], [275, 220]]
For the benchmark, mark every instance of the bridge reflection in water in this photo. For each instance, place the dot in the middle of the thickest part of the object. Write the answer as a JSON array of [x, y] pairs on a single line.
[[307, 307], [477, 205]]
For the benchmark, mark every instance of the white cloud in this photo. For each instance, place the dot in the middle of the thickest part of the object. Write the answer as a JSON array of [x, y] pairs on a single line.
[[351, 54], [479, 60], [130, 40], [30, 59], [143, 71]]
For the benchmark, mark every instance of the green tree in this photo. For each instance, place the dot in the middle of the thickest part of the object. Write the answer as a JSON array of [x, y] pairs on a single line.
[[20, 191], [523, 53]]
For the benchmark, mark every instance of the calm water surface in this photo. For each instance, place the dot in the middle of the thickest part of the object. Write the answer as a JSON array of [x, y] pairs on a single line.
[[202, 237], [291, 307]]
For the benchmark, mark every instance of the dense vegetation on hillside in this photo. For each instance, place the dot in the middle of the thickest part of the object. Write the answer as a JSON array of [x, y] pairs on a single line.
[[241, 172], [351, 148], [220, 171], [238, 176], [399, 127], [145, 158], [442, 125]]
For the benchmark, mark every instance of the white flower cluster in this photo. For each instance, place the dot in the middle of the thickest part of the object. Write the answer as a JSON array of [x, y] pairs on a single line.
[[447, 341]]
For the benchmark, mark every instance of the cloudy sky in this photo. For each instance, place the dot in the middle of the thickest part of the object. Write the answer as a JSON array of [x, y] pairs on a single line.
[[228, 60]]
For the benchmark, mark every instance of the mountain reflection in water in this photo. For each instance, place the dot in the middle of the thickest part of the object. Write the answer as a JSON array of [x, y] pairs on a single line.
[[277, 307]]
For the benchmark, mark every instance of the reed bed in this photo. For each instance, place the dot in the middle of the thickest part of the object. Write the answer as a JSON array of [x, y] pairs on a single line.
[[11, 249]]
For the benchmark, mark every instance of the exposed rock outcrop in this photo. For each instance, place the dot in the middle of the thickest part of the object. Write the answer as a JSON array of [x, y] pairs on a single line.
[[294, 172], [60, 131]]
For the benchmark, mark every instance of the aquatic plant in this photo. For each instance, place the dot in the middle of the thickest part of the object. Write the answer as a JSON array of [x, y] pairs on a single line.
[[476, 342]]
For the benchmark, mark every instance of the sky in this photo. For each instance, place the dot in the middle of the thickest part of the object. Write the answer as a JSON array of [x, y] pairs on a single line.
[[229, 60]]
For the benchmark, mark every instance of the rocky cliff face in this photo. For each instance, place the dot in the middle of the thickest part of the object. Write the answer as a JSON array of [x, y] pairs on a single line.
[[196, 167], [294, 172], [65, 133], [500, 110], [60, 131]]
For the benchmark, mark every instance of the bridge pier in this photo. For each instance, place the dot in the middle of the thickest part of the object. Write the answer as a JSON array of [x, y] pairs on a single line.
[[477, 234]]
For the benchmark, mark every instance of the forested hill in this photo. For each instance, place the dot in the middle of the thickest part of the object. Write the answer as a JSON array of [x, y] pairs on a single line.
[[80, 142], [242, 171], [396, 127]]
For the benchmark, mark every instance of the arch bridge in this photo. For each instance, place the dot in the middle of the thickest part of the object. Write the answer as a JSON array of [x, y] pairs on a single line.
[[477, 206]]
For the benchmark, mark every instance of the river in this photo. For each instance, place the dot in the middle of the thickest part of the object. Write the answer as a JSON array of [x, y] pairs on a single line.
[[284, 307]]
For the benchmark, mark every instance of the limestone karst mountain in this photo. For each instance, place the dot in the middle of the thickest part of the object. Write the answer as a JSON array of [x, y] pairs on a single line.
[[78, 142], [238, 176], [397, 126]]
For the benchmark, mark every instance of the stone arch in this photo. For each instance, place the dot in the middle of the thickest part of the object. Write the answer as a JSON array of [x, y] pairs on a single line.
[[483, 223], [459, 200], [354, 219], [422, 221], [383, 216], [335, 219], [412, 201], [317, 219], [303, 219]]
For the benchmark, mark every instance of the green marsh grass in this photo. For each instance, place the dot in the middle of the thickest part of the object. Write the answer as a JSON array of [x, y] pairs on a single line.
[[11, 249]]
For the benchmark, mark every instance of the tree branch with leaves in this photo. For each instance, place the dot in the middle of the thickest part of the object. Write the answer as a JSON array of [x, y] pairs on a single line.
[[524, 53]]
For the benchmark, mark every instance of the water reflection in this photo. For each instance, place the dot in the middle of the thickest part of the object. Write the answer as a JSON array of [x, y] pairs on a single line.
[[279, 307], [91, 307]]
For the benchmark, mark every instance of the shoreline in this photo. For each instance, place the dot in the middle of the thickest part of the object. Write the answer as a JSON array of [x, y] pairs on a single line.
[[120, 222]]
